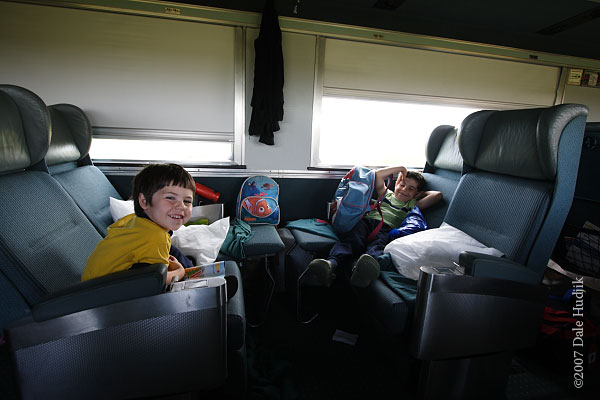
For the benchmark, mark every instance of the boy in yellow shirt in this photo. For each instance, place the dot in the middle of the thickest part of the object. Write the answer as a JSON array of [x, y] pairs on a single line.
[[162, 196]]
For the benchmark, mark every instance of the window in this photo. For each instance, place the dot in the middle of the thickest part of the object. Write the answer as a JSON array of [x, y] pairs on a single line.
[[181, 151], [356, 131], [175, 84], [376, 104]]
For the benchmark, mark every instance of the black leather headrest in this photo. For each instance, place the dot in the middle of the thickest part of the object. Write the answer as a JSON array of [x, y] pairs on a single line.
[[71, 134], [24, 128], [522, 143], [442, 149]]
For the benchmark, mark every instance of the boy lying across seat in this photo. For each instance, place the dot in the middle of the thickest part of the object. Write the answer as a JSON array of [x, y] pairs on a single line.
[[408, 192], [162, 195]]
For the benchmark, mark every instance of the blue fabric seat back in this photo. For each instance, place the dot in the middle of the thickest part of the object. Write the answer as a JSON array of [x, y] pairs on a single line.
[[497, 218], [442, 170], [520, 168], [44, 240], [69, 163]]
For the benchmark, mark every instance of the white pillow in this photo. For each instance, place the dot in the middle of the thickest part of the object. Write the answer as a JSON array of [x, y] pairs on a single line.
[[438, 247], [202, 242], [120, 208]]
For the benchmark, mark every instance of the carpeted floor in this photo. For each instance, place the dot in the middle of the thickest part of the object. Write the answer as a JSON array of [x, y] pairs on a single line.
[[309, 364]]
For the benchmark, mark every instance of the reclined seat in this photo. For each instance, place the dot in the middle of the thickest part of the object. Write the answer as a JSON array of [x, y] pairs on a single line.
[[519, 175], [112, 337], [442, 172], [69, 163]]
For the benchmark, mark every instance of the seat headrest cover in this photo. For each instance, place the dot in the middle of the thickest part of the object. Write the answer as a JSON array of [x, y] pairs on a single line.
[[71, 134], [24, 128], [442, 149], [522, 143]]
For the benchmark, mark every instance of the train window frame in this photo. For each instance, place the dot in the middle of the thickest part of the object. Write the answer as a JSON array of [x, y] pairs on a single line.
[[201, 148], [123, 101], [331, 149], [357, 71]]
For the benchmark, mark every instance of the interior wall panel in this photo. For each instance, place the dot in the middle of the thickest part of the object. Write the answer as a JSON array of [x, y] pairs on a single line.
[[391, 69]]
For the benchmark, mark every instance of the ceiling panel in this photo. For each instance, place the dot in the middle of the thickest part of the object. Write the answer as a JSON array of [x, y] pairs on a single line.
[[512, 23]]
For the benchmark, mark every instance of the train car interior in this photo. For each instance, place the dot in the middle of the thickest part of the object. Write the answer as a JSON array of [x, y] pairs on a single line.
[[483, 283]]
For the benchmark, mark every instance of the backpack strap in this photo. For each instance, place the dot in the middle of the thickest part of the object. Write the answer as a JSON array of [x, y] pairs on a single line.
[[377, 206]]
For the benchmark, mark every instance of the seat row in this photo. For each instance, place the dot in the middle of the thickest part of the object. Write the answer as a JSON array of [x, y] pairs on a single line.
[[508, 179], [71, 339]]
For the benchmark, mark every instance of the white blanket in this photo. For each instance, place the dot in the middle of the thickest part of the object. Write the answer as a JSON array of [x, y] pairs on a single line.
[[438, 247]]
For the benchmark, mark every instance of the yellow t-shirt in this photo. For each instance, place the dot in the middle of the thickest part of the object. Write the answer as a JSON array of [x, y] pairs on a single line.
[[130, 240]]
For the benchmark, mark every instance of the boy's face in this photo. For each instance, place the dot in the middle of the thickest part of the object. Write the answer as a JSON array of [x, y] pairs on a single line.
[[405, 189], [171, 207]]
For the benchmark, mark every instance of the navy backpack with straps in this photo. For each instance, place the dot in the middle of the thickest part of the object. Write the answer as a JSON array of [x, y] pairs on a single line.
[[352, 200]]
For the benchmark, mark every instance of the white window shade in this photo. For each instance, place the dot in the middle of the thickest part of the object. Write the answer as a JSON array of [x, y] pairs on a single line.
[[390, 69], [124, 71]]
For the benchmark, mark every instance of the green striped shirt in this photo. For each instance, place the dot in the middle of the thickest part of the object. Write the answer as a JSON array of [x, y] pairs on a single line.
[[393, 216]]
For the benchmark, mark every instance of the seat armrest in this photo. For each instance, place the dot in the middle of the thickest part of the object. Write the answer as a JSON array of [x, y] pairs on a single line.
[[119, 286], [484, 265], [464, 316]]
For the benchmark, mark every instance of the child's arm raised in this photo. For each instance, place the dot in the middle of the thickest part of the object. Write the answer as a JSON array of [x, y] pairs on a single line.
[[428, 198], [383, 173]]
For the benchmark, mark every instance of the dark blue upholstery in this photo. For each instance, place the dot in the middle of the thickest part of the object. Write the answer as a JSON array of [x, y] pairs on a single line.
[[517, 185], [385, 299], [28, 264], [442, 170], [264, 241], [69, 163], [521, 171], [89, 335]]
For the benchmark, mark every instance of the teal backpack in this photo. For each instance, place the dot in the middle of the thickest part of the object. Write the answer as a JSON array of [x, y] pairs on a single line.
[[258, 201]]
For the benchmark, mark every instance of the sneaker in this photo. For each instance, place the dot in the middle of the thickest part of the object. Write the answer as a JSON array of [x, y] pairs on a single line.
[[319, 273], [365, 271]]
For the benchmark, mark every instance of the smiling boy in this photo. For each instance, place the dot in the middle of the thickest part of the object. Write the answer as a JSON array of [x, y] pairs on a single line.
[[162, 196], [408, 192]]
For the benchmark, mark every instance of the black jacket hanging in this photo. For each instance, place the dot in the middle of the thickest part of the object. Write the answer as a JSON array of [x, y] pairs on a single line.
[[267, 97]]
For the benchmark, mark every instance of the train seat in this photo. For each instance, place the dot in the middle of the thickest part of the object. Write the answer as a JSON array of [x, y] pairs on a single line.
[[519, 174], [69, 163], [77, 339], [388, 299], [442, 170]]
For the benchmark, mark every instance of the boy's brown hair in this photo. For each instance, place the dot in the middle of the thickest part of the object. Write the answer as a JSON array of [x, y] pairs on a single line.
[[156, 176], [417, 176]]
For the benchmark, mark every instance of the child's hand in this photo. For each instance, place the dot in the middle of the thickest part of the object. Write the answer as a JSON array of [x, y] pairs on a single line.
[[175, 270], [400, 180], [174, 264]]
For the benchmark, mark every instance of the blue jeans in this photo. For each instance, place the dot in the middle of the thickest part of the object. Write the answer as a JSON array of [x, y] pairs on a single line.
[[353, 244]]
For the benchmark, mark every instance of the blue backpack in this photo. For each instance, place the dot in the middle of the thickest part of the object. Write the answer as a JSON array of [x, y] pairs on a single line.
[[258, 201], [352, 200]]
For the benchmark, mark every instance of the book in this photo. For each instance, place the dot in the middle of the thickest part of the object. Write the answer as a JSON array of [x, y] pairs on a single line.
[[212, 270]]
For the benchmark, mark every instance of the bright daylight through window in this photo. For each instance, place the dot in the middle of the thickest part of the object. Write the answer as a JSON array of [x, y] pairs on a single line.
[[184, 151], [380, 133]]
